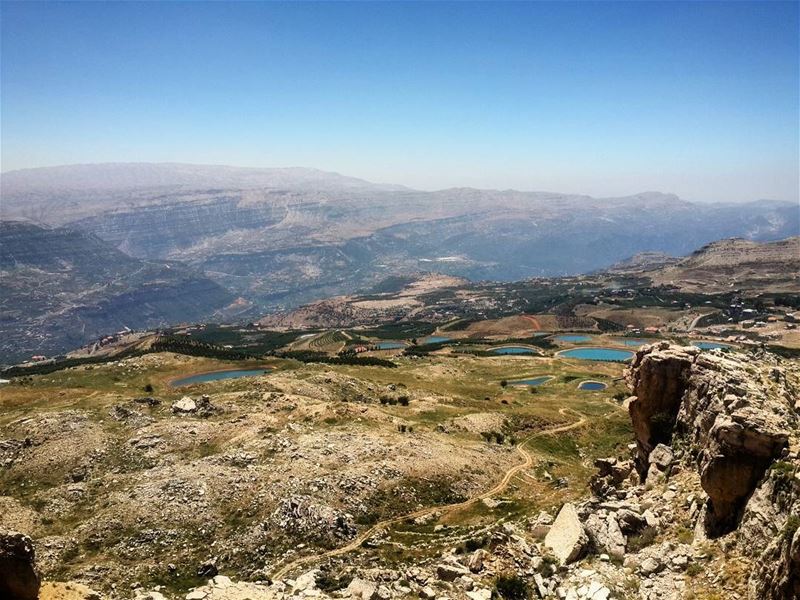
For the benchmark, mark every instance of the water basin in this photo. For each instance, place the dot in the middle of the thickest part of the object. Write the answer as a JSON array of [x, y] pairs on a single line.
[[597, 353], [218, 375], [513, 350], [635, 343], [573, 338], [389, 345], [592, 386], [435, 339], [533, 380]]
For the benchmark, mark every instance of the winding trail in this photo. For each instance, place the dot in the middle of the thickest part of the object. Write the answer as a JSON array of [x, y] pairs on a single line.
[[446, 509]]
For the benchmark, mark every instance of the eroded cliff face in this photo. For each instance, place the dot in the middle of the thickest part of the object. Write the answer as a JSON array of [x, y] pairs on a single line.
[[734, 417], [733, 413]]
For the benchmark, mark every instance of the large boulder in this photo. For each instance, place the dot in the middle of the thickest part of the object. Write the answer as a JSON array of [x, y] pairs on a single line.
[[362, 589], [605, 534], [184, 406], [18, 576], [567, 538]]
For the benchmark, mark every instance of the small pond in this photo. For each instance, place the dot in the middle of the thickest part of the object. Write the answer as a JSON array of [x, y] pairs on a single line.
[[218, 375], [435, 339], [573, 338], [711, 345], [513, 350], [592, 386], [533, 380], [389, 345], [596, 353], [633, 342]]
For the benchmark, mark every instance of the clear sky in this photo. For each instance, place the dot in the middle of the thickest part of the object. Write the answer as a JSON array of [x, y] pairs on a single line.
[[699, 99]]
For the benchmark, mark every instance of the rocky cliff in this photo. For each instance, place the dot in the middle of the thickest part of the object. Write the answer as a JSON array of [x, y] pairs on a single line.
[[733, 418]]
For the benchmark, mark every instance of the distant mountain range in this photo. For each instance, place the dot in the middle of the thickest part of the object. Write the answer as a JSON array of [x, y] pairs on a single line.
[[276, 238]]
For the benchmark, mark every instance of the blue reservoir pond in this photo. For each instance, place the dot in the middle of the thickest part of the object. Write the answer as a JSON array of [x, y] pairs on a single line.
[[533, 380], [435, 339], [218, 375], [573, 338], [633, 342], [602, 354], [513, 350], [592, 386], [389, 345], [710, 345]]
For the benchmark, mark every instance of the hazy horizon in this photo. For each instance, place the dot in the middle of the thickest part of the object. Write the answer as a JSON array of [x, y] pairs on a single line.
[[632, 193], [696, 99]]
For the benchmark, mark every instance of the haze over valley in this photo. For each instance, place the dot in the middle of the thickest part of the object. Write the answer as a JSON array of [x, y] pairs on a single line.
[[253, 241]]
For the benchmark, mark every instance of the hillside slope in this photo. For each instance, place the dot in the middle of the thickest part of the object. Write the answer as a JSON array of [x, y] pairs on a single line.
[[737, 264], [60, 288]]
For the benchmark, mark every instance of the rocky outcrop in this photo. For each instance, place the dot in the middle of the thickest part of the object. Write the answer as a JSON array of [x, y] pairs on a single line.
[[18, 576], [658, 381], [302, 515], [732, 417]]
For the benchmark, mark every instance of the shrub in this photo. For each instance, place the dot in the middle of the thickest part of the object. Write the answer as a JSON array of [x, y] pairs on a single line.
[[791, 526], [403, 400], [694, 569], [148, 388], [330, 582], [473, 544], [503, 383], [642, 539], [511, 587]]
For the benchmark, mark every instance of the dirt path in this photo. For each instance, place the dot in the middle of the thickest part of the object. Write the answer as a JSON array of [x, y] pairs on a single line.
[[500, 487], [533, 321]]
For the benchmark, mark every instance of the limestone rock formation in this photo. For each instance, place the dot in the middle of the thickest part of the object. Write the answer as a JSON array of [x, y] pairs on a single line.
[[733, 418], [567, 538], [18, 576]]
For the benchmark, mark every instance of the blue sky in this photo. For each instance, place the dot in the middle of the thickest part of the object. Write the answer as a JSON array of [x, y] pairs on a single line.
[[699, 99]]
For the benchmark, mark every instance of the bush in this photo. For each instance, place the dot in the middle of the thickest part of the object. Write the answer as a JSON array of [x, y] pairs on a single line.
[[511, 587], [642, 539], [148, 388], [403, 400], [330, 582], [694, 569], [791, 526], [473, 544], [503, 383]]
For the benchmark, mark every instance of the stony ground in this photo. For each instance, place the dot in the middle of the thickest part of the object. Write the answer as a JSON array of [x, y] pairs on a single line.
[[432, 480], [123, 487]]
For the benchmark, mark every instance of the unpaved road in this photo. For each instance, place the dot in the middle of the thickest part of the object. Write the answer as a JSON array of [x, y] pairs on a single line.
[[449, 508]]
